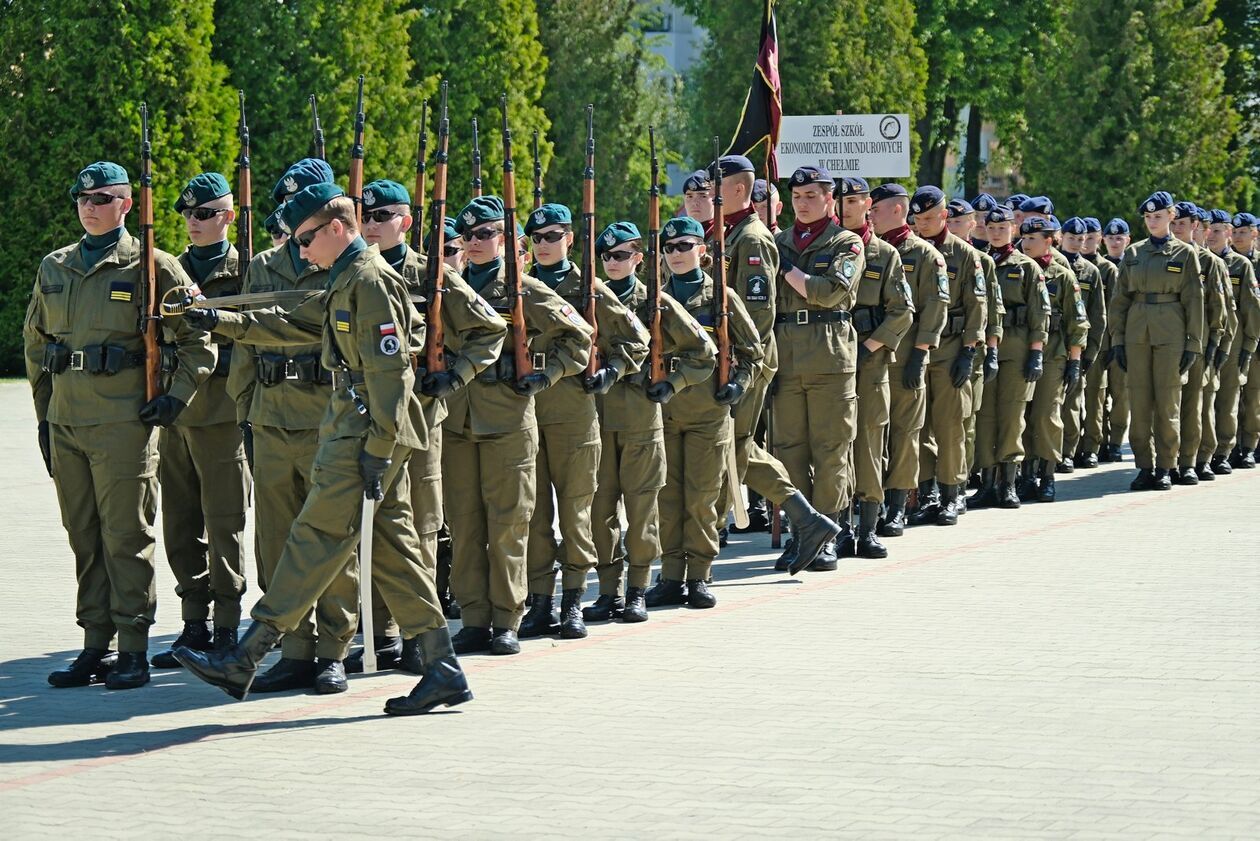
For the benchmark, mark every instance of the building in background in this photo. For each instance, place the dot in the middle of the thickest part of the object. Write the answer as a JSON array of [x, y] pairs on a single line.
[[677, 38]]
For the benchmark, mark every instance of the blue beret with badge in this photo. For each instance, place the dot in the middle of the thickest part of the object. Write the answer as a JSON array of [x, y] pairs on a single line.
[[888, 191], [926, 198], [1218, 217], [1156, 201], [1116, 227], [479, 211], [681, 226], [1001, 213], [1038, 225], [731, 165], [1185, 210], [97, 175], [983, 203], [305, 202], [385, 192], [959, 207], [1013, 202], [616, 234], [203, 188], [851, 186], [1075, 225], [760, 191], [302, 174], [1037, 204], [547, 215], [807, 175], [697, 181], [1092, 225], [1245, 220]]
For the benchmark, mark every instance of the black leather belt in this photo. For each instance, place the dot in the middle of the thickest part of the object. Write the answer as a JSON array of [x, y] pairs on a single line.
[[812, 317]]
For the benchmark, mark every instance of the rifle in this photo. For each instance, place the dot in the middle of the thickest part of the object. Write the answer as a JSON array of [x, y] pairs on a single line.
[[317, 144], [356, 159], [538, 187], [417, 209], [520, 339], [434, 336], [721, 304], [656, 355], [245, 187], [476, 152], [148, 270], [588, 242]]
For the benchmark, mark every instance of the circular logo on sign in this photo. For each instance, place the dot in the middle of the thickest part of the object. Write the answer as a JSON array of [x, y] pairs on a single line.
[[890, 127], [390, 345]]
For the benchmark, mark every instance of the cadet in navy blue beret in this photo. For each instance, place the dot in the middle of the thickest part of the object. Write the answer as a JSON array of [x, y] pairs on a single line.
[[851, 186], [888, 191], [1037, 204], [926, 198], [1092, 225], [1013, 202], [1156, 201], [1116, 227]]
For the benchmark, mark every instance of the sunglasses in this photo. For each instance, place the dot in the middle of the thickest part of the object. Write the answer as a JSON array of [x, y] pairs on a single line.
[[484, 234], [98, 199], [679, 247], [451, 250], [617, 256], [203, 213], [307, 238], [379, 216], [550, 236]]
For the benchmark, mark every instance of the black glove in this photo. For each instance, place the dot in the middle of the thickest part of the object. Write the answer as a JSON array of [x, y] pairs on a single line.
[[45, 445], [1071, 374], [864, 353], [1222, 356], [1244, 360], [601, 381], [1086, 362], [1187, 359], [785, 262], [1032, 367], [912, 375], [372, 469], [1119, 357], [202, 319], [729, 394], [531, 384], [440, 384], [990, 364], [162, 410], [247, 438], [1209, 353], [660, 392], [960, 371]]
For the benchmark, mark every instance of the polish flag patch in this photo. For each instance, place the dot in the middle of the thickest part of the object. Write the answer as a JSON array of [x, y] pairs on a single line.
[[754, 260], [388, 329]]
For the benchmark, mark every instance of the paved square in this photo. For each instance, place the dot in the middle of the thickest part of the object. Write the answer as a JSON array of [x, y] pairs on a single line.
[[1087, 669]]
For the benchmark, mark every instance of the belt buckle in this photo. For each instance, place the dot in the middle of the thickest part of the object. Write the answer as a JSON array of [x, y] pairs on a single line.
[[673, 364], [539, 361], [76, 361], [290, 369], [802, 316]]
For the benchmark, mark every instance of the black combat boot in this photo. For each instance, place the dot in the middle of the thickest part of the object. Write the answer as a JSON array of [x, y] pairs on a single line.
[[471, 640], [758, 515], [1117, 454], [666, 593], [811, 530], [504, 641], [539, 620], [929, 504], [287, 673], [91, 666], [698, 594], [606, 607], [1007, 496], [196, 635], [1104, 453], [1187, 476], [636, 606], [784, 563], [1065, 466], [443, 683], [388, 650], [1026, 487], [1085, 460], [948, 513], [1144, 481], [224, 637], [572, 627], [987, 496], [131, 671], [1162, 481], [232, 670], [412, 659], [846, 541], [895, 514], [330, 676], [723, 537], [1204, 472], [868, 545], [1045, 488], [1220, 465]]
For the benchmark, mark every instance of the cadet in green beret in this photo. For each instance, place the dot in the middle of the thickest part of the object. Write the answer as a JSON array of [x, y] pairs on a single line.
[[272, 225], [1246, 298], [202, 470], [882, 316], [490, 450], [924, 268], [1157, 331], [85, 360], [1117, 239], [374, 422], [1093, 293], [1096, 374], [698, 428], [632, 460], [943, 445], [282, 392], [474, 333], [569, 441]]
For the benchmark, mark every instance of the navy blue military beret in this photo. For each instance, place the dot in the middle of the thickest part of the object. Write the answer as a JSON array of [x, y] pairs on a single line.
[[1218, 217], [852, 186], [1013, 202], [1158, 200], [1245, 220], [1000, 214], [1116, 227], [811, 175], [959, 207], [1037, 204], [888, 191], [983, 203], [697, 181], [1075, 225], [203, 188], [1185, 210], [1092, 225], [731, 165], [548, 215], [1038, 225], [926, 198], [760, 191]]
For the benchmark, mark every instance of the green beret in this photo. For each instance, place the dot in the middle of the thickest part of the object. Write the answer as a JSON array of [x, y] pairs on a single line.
[[681, 226], [548, 215], [304, 173], [479, 211], [272, 224], [97, 175], [205, 187], [305, 202], [450, 233], [383, 192], [615, 234]]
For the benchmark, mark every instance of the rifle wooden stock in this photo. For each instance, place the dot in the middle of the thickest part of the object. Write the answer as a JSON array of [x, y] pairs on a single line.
[[656, 354], [245, 194], [435, 335], [149, 318], [511, 265], [417, 209], [356, 159], [317, 134], [588, 243]]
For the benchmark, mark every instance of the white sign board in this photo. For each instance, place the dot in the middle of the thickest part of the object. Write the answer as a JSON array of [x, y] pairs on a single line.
[[869, 145]]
